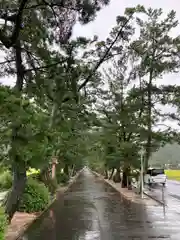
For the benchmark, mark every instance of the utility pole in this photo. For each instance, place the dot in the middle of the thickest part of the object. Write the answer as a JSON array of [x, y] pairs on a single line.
[[142, 171]]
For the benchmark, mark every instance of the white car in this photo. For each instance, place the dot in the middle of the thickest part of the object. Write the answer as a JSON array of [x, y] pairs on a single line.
[[155, 176]]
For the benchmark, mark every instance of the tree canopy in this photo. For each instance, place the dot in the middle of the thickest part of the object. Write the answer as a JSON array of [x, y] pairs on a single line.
[[84, 101]]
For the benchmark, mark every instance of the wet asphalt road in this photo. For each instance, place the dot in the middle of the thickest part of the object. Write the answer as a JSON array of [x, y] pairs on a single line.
[[173, 188], [170, 194], [92, 210]]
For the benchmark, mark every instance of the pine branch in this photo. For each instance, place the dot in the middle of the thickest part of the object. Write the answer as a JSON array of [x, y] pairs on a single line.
[[10, 41], [44, 67], [120, 33], [7, 61]]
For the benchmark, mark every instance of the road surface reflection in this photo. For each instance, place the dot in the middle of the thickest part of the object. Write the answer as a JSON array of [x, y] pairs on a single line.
[[92, 210]]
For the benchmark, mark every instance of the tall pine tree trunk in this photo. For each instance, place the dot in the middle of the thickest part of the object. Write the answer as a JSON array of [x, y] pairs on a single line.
[[106, 174], [117, 177], [18, 186], [72, 170], [124, 179], [111, 175], [18, 164], [105, 171], [126, 172], [66, 169], [149, 123]]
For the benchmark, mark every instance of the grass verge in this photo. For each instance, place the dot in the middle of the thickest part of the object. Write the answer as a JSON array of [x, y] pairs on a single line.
[[173, 174]]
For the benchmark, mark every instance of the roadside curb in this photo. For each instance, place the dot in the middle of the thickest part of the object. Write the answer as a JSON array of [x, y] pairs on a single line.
[[73, 179], [63, 191], [139, 201], [112, 185]]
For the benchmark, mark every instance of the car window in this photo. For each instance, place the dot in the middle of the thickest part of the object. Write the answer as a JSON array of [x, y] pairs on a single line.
[[156, 172]]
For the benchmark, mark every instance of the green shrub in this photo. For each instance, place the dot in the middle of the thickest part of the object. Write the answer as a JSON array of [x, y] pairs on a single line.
[[32, 171], [35, 197], [35, 176], [62, 178], [5, 180], [52, 185], [3, 223]]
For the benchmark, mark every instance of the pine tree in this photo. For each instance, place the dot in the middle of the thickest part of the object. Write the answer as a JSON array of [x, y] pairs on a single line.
[[158, 55]]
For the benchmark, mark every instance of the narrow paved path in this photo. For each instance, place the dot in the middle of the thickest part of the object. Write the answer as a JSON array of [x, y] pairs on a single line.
[[92, 210]]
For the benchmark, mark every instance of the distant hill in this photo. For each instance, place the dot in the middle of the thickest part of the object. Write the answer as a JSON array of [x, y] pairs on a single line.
[[170, 154]]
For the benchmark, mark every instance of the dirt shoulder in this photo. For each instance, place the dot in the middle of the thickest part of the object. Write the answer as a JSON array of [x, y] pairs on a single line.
[[130, 195]]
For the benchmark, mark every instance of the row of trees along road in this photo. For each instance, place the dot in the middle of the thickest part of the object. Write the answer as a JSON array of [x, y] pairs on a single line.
[[131, 107], [45, 113], [59, 105]]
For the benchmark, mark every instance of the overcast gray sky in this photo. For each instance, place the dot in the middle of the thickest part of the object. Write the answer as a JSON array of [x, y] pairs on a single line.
[[106, 19]]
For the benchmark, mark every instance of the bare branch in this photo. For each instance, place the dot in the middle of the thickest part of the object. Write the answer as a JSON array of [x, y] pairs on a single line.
[[7, 61]]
